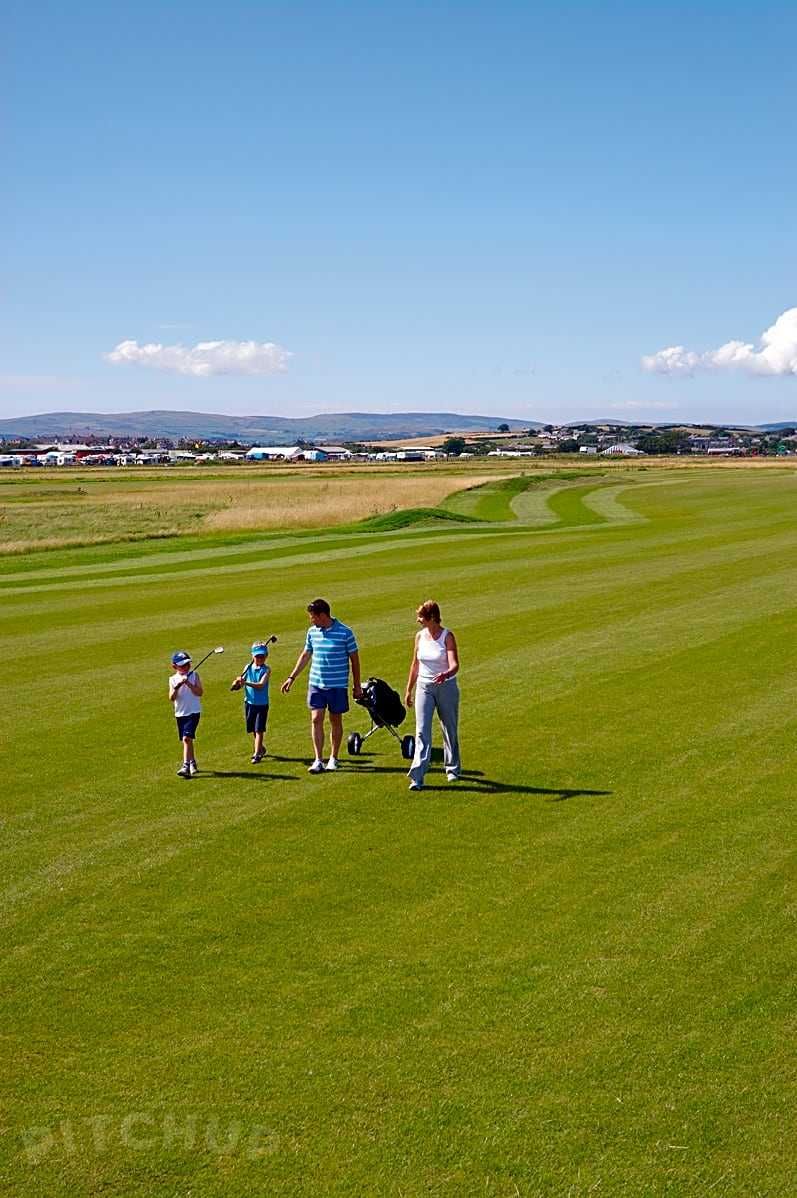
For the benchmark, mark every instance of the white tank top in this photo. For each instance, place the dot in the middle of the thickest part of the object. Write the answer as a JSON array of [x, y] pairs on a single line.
[[432, 655]]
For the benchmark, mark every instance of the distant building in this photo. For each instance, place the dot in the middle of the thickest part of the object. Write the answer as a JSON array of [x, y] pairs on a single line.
[[274, 453], [623, 450]]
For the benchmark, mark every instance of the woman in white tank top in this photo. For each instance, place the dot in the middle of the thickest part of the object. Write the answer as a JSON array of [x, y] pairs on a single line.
[[433, 687]]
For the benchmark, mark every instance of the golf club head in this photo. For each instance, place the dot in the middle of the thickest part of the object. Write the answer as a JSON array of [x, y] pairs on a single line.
[[219, 649]]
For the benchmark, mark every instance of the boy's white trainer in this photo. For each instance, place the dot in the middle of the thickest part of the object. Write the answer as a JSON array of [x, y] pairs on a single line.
[[316, 768], [332, 764]]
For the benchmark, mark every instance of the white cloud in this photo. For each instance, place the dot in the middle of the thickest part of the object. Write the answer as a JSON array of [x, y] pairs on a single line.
[[205, 358], [775, 355]]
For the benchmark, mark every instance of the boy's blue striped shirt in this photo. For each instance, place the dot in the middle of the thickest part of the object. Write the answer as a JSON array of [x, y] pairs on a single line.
[[330, 648]]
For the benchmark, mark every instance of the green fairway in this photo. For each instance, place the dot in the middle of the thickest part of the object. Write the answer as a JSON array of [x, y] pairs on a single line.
[[570, 974]]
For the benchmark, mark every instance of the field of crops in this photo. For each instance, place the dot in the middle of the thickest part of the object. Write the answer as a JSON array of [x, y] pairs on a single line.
[[570, 974]]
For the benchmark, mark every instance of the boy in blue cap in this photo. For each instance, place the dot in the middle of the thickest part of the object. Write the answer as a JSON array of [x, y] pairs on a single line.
[[255, 682], [185, 692]]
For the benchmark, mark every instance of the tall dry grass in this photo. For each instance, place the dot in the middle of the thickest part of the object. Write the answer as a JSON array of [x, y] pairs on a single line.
[[167, 509], [321, 503]]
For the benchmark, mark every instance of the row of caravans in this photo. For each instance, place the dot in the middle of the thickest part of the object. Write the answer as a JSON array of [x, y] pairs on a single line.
[[87, 456], [60, 457]]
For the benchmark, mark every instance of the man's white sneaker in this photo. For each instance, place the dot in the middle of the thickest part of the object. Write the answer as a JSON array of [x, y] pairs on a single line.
[[416, 786], [332, 764], [452, 777], [316, 768]]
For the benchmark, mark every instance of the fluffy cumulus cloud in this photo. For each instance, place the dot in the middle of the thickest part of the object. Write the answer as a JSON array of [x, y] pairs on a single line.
[[205, 358], [776, 353]]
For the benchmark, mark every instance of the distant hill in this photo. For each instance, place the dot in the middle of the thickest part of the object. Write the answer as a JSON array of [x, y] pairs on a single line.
[[595, 420], [775, 428], [272, 430]]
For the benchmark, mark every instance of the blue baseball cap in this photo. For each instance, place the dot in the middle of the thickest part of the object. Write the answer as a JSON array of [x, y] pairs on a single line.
[[180, 659], [259, 648]]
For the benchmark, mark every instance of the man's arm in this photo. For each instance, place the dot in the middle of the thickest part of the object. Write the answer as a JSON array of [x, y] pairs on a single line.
[[301, 662], [354, 658], [196, 685]]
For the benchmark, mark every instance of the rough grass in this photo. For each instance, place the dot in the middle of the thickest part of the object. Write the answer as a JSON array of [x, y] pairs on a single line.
[[100, 511], [319, 503]]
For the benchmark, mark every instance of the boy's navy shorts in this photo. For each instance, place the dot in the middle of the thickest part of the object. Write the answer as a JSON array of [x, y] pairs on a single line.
[[256, 716], [335, 698], [186, 725]]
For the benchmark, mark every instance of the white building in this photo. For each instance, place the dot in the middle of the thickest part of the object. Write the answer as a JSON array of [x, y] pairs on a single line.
[[274, 453], [621, 449]]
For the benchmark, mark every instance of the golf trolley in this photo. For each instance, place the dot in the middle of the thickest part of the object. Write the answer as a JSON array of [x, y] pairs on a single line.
[[386, 711]]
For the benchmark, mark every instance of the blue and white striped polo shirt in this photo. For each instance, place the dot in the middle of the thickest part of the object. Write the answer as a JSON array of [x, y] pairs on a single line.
[[330, 648]]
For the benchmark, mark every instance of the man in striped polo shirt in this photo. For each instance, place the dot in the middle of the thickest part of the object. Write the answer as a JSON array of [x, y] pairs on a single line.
[[330, 646]]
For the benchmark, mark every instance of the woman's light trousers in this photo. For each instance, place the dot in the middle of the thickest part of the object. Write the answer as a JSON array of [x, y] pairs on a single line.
[[443, 699]]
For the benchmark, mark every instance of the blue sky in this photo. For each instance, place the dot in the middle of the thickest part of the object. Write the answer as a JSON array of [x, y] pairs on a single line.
[[481, 208]]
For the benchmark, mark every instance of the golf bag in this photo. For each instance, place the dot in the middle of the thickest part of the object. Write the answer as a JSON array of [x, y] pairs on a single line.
[[386, 710]]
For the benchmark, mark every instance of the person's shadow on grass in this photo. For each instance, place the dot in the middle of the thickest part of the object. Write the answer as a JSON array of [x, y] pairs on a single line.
[[249, 777], [474, 782]]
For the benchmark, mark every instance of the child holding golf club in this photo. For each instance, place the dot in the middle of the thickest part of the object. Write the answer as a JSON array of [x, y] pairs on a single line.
[[254, 680], [185, 692]]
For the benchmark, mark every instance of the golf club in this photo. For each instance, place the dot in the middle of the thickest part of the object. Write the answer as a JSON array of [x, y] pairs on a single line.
[[272, 640], [193, 670]]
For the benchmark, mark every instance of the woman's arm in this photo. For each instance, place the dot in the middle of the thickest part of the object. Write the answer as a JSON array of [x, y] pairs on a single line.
[[413, 674], [453, 659]]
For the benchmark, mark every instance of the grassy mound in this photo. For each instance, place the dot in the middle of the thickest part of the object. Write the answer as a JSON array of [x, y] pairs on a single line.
[[411, 515]]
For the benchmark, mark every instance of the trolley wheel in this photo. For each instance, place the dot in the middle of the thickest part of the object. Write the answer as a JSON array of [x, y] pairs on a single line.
[[408, 747], [354, 744]]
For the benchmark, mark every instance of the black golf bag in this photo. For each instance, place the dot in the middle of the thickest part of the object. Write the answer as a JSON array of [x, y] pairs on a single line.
[[386, 710]]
